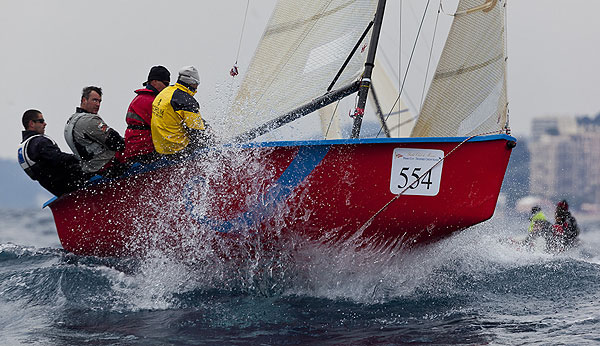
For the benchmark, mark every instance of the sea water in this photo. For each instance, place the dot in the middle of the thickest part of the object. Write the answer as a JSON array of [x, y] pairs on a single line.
[[470, 289]]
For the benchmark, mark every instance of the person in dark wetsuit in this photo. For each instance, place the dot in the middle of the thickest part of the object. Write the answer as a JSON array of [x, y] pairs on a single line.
[[565, 226], [42, 159]]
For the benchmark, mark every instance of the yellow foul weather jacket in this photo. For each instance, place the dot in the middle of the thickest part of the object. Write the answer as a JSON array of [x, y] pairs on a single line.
[[538, 217], [174, 111]]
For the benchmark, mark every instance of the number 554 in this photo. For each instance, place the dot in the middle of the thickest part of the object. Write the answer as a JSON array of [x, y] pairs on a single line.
[[425, 180]]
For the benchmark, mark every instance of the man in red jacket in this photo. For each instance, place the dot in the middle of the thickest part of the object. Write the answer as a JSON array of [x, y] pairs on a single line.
[[138, 137]]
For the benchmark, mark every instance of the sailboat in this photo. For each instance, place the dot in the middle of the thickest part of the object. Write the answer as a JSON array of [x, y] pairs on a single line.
[[394, 191]]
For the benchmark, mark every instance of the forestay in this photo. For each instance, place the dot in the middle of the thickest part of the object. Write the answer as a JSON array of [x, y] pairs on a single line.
[[467, 95], [303, 47]]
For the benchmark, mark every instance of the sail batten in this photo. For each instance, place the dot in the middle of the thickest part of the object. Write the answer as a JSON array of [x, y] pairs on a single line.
[[442, 75]]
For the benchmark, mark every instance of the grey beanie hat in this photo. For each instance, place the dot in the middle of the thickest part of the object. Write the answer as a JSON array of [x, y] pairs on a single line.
[[189, 75]]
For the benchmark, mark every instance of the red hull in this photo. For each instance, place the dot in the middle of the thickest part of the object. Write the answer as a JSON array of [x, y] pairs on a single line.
[[315, 190]]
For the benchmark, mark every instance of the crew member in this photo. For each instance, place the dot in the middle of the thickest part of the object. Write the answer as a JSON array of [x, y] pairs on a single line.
[[565, 224], [138, 136], [42, 159], [177, 126], [91, 139], [539, 226]]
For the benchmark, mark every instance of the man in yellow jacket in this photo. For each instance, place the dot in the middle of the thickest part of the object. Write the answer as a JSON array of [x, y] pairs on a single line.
[[177, 126], [537, 220], [539, 226]]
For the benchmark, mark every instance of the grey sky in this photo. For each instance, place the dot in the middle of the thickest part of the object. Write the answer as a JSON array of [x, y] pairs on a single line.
[[51, 49]]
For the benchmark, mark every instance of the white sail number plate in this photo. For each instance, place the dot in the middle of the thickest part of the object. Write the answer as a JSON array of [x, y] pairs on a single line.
[[408, 165]]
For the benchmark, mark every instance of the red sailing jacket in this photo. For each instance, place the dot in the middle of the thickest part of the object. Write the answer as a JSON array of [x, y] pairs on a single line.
[[138, 137]]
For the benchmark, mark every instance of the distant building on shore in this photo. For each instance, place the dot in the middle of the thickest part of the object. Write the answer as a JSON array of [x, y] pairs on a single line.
[[565, 159]]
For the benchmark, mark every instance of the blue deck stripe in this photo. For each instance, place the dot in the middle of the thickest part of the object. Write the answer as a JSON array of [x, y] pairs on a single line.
[[305, 161]]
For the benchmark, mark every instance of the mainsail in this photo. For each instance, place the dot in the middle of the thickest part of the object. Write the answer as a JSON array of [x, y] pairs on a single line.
[[468, 93], [303, 47]]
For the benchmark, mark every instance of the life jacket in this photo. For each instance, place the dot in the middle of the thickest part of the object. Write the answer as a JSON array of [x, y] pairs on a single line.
[[558, 229], [82, 153], [138, 136], [28, 165], [539, 217]]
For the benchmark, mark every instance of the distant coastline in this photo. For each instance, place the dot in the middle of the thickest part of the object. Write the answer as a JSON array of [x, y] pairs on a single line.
[[17, 189]]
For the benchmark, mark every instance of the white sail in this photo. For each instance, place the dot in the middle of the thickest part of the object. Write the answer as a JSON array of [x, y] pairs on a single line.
[[330, 122], [396, 115], [303, 47], [467, 95]]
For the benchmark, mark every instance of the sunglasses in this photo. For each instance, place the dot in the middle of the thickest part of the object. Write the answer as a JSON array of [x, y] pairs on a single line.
[[41, 121], [165, 83]]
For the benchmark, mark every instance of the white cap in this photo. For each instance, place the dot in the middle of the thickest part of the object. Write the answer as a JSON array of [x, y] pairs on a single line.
[[189, 75]]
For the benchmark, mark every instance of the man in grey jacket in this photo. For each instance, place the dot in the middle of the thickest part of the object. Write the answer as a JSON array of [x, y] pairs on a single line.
[[91, 139]]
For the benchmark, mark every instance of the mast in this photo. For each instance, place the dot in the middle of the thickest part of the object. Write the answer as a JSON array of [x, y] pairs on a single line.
[[365, 83]]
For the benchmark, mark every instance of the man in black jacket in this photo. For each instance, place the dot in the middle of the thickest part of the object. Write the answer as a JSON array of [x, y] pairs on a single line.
[[566, 225], [42, 159]]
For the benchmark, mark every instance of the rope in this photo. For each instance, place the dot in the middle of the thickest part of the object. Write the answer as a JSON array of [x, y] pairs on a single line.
[[331, 119], [408, 65], [507, 126], [242, 33], [234, 69], [399, 66], [430, 55], [444, 11], [368, 223]]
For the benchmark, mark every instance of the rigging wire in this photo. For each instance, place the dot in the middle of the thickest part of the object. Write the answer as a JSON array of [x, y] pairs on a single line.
[[507, 125], [437, 18], [331, 119], [409, 63], [234, 70], [399, 61], [291, 53]]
